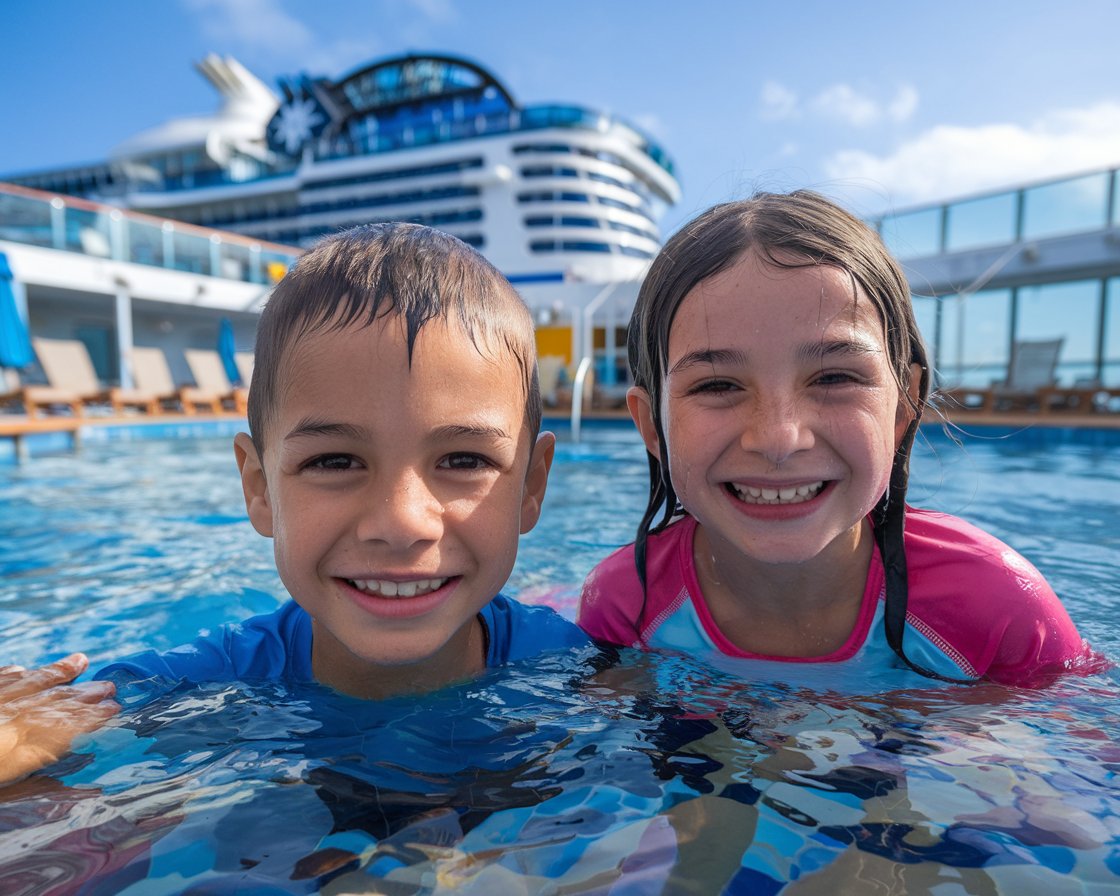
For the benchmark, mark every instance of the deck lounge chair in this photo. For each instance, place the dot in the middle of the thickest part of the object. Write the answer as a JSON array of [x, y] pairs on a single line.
[[73, 382], [244, 367], [210, 377], [1030, 374], [152, 373]]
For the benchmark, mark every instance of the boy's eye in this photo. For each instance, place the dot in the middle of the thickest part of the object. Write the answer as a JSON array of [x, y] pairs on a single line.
[[464, 461], [332, 462]]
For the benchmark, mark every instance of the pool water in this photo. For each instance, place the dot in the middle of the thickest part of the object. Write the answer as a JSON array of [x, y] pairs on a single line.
[[581, 773]]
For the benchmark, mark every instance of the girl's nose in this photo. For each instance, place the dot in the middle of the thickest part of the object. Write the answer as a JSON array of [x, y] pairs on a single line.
[[401, 511], [777, 427]]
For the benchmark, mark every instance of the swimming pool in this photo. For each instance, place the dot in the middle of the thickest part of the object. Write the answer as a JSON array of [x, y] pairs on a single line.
[[566, 775]]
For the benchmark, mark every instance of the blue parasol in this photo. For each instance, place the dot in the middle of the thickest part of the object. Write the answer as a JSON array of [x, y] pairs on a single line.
[[227, 348], [15, 345]]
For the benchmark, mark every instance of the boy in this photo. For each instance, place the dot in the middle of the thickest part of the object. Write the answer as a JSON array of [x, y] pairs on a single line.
[[395, 458]]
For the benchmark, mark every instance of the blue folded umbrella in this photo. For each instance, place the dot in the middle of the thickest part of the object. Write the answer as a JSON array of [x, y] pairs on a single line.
[[15, 342], [227, 348]]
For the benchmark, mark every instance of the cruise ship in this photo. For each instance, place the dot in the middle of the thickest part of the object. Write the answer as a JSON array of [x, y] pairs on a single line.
[[549, 193]]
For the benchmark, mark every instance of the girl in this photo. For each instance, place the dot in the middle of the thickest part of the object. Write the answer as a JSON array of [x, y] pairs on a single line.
[[779, 381]]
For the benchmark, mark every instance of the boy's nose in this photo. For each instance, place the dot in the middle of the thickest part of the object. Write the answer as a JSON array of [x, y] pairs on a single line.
[[777, 428], [401, 512]]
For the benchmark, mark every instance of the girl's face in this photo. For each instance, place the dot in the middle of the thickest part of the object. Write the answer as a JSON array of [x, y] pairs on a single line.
[[781, 411]]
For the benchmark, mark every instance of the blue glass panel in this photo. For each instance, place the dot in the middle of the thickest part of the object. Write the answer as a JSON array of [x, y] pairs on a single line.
[[1111, 372], [975, 338], [1068, 206], [981, 222], [1070, 310], [913, 234], [24, 219]]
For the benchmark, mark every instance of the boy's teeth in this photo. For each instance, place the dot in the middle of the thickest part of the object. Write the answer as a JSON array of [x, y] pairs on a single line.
[[791, 495], [398, 589]]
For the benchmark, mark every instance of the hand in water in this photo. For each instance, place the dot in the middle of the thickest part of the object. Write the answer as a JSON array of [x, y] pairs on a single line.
[[41, 713]]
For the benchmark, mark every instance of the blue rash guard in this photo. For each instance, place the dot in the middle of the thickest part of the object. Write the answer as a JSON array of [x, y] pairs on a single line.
[[277, 646]]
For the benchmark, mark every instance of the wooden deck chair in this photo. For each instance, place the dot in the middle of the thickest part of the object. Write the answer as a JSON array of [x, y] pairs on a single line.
[[244, 367], [152, 374], [73, 381], [210, 378], [548, 374], [1030, 372], [33, 398]]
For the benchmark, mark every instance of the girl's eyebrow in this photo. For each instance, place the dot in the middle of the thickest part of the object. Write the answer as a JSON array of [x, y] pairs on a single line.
[[810, 351], [708, 357], [815, 351]]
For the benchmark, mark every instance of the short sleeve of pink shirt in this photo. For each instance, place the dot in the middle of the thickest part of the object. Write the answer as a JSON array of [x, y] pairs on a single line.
[[976, 609]]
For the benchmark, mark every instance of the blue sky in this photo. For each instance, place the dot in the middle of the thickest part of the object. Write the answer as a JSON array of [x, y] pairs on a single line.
[[882, 104]]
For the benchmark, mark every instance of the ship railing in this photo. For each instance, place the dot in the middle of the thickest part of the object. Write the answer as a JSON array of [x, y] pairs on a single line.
[[36, 218]]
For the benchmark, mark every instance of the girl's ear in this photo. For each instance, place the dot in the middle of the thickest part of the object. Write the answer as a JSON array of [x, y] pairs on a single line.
[[907, 403], [253, 484], [536, 478], [641, 409]]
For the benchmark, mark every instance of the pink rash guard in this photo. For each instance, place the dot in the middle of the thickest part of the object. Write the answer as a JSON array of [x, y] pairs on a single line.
[[977, 609]]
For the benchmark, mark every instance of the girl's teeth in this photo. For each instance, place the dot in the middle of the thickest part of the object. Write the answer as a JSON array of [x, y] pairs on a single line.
[[791, 495], [382, 588]]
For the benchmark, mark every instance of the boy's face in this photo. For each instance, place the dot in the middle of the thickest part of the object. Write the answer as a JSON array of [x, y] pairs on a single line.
[[395, 497]]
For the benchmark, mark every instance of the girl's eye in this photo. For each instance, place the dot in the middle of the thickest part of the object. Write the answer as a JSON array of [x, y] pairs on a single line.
[[332, 462], [835, 378], [712, 387], [464, 461]]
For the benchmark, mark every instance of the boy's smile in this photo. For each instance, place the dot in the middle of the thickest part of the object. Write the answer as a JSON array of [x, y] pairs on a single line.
[[395, 493]]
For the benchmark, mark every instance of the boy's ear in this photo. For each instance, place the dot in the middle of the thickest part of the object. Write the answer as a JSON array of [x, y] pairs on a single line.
[[253, 484], [907, 402], [536, 479], [641, 409]]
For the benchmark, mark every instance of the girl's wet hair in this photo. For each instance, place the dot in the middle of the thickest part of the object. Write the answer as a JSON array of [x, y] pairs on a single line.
[[788, 230], [361, 275]]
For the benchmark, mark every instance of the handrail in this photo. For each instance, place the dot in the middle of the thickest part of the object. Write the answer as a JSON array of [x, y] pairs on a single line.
[[577, 396]]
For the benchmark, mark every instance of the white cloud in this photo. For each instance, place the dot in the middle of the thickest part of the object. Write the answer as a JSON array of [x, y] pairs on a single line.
[[949, 160], [778, 101], [904, 104], [652, 124], [838, 102], [846, 104], [253, 24], [441, 12]]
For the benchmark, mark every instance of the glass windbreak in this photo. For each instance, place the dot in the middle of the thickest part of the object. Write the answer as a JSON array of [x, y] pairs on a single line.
[[975, 338], [913, 234], [24, 219], [1069, 206], [1069, 311], [981, 222], [925, 311], [87, 231], [191, 253], [145, 243], [1110, 372]]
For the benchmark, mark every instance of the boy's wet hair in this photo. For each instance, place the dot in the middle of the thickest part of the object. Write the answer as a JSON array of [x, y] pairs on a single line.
[[787, 230], [361, 275]]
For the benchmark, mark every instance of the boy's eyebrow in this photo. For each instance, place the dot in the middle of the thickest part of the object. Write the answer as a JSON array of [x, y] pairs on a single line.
[[470, 430], [309, 426]]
